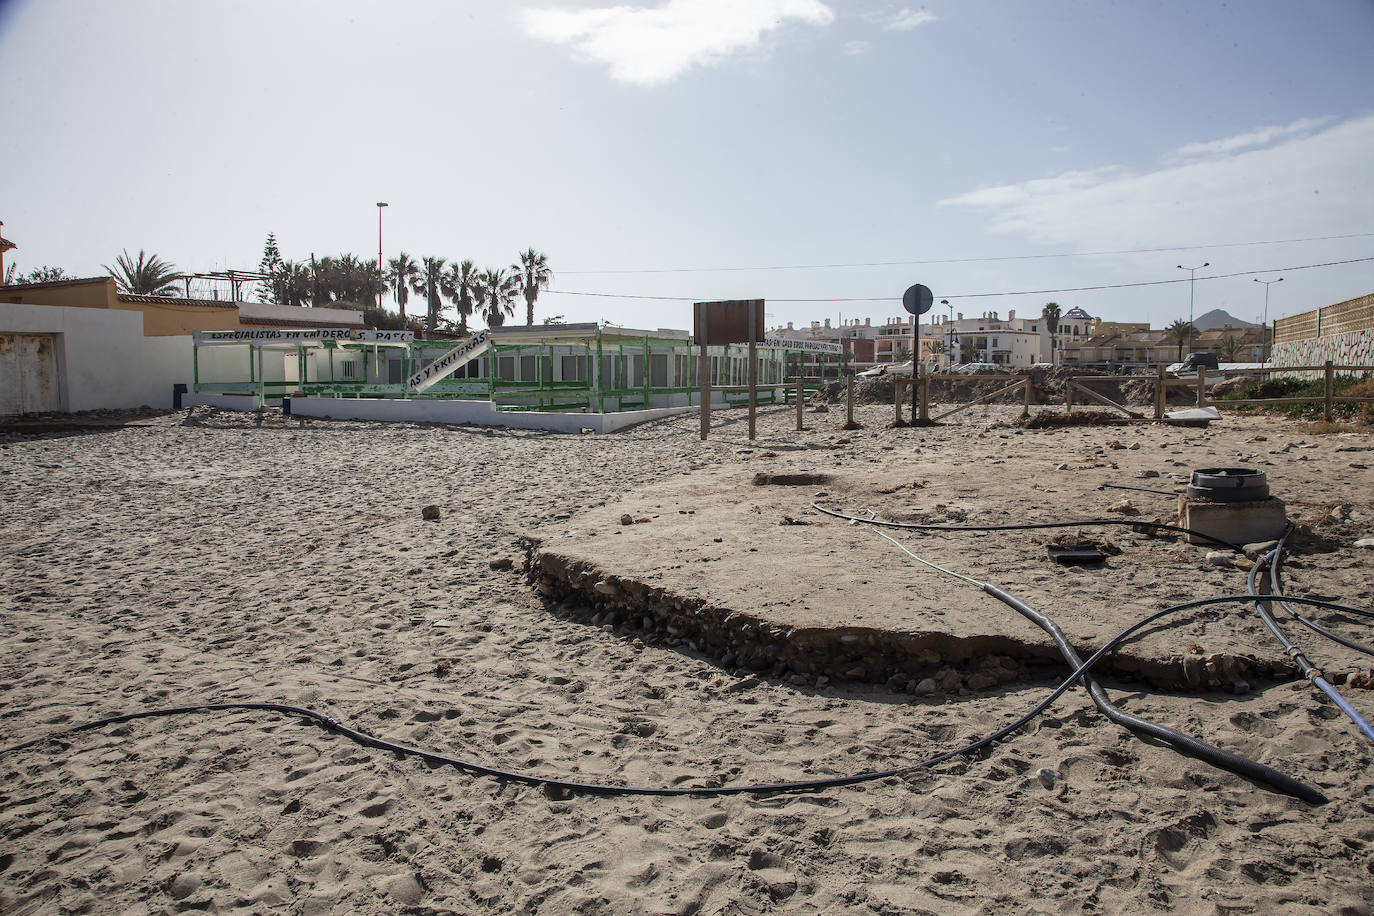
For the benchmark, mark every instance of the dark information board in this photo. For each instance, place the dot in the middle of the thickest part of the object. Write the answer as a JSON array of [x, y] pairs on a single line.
[[726, 322]]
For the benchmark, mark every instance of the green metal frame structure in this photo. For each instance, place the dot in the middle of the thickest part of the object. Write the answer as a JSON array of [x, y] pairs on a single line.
[[571, 368]]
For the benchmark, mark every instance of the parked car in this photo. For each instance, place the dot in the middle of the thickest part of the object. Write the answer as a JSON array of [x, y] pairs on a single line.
[[886, 369], [977, 368], [1194, 362]]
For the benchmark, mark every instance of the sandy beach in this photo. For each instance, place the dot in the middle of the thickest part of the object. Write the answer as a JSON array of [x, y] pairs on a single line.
[[202, 557]]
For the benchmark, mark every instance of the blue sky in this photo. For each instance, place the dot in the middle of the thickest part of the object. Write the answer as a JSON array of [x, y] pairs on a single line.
[[699, 134]]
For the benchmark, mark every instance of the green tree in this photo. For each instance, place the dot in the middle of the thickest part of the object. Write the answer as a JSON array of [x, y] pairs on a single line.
[[495, 292], [532, 274], [460, 283], [268, 290], [346, 280], [1180, 332], [42, 274], [401, 274], [430, 284], [1051, 315], [968, 350], [146, 275], [1231, 346], [383, 320]]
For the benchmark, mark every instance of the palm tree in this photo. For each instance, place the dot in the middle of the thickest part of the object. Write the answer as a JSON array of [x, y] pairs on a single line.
[[371, 282], [324, 274], [459, 283], [430, 284], [291, 284], [495, 291], [531, 275], [1051, 315], [148, 275], [401, 274], [1180, 332]]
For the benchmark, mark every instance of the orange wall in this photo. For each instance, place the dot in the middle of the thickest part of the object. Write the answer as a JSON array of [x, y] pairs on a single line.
[[159, 319], [88, 294], [163, 319]]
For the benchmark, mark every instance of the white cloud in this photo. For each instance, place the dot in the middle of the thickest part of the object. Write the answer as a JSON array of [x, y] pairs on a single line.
[[1318, 184], [905, 20], [855, 48], [1251, 140], [649, 45]]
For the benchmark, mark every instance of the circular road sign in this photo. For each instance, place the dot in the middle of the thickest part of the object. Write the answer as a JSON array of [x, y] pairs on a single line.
[[918, 299]]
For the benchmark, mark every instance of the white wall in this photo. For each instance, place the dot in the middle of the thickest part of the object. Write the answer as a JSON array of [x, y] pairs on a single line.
[[478, 413], [103, 359]]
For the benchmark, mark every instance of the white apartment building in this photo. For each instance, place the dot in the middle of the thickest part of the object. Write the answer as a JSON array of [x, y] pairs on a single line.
[[990, 338], [1013, 342]]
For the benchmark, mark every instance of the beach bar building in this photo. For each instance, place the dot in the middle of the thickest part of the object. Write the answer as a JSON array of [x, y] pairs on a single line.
[[586, 368]]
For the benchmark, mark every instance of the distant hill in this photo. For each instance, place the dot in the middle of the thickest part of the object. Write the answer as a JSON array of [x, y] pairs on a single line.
[[1220, 318]]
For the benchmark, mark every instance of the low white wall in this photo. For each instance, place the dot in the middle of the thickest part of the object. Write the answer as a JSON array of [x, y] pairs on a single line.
[[613, 422], [248, 402], [478, 413], [103, 360]]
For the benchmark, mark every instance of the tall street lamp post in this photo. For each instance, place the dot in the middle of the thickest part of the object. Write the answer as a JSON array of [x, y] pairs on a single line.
[[1265, 346], [950, 335], [380, 284], [1192, 273]]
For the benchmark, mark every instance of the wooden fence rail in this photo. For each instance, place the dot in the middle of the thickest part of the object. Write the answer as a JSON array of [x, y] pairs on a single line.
[[797, 387]]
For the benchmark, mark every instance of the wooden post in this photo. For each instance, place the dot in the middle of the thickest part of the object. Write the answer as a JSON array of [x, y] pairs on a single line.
[[801, 395], [1161, 392], [704, 378], [1330, 393], [1201, 386], [849, 401], [753, 373], [897, 400], [1026, 397]]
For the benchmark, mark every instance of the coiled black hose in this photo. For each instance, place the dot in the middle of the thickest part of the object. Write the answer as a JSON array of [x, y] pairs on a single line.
[[1276, 588], [1310, 671], [1186, 744], [811, 785], [1030, 526]]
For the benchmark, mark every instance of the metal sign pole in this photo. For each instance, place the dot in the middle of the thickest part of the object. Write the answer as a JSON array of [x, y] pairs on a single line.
[[915, 362], [917, 300]]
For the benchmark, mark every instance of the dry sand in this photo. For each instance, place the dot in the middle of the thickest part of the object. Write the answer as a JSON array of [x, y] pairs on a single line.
[[218, 560]]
